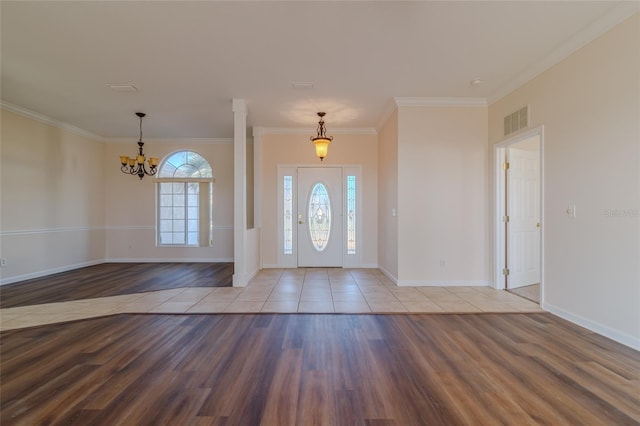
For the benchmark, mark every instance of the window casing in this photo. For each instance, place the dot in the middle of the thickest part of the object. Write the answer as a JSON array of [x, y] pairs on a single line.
[[184, 199]]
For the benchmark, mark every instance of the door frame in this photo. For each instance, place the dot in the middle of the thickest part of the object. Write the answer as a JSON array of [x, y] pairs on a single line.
[[333, 254], [348, 260], [499, 150]]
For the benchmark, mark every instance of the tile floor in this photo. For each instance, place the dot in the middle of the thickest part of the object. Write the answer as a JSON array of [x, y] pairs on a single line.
[[282, 291], [531, 292]]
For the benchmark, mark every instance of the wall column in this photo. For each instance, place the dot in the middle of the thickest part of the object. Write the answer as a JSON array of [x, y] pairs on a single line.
[[258, 132], [239, 192]]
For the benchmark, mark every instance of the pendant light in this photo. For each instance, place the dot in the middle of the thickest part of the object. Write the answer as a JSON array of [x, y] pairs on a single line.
[[321, 141], [135, 165]]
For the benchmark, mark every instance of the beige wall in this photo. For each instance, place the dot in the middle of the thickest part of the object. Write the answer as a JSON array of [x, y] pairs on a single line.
[[388, 196], [52, 209], [589, 105], [65, 203], [296, 149], [442, 196], [131, 206]]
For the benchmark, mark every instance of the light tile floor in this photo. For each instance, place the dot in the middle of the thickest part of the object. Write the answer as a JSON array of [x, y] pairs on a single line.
[[282, 291]]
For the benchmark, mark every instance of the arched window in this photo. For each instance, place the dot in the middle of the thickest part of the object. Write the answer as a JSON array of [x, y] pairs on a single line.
[[185, 192]]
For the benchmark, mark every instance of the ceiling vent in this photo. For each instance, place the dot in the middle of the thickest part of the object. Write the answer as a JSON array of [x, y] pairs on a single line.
[[516, 120], [123, 87], [302, 85]]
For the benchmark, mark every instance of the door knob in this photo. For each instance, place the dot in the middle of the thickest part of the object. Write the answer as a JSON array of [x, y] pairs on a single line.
[[300, 222]]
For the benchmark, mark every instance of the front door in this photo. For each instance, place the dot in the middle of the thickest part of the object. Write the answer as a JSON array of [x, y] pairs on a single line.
[[319, 217]]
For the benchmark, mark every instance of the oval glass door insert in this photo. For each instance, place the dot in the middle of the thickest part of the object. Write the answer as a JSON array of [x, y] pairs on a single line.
[[319, 217]]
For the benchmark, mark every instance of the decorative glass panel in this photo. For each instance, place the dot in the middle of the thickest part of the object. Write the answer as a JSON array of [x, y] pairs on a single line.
[[319, 217], [288, 214], [185, 164], [351, 215]]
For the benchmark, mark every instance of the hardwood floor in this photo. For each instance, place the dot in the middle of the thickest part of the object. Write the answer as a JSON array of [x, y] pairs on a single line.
[[112, 279], [282, 369]]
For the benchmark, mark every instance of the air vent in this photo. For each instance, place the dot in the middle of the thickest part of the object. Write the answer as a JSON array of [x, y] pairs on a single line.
[[302, 85], [123, 87], [516, 120]]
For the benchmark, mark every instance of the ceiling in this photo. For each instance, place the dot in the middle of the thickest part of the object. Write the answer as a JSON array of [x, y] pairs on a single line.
[[188, 60]]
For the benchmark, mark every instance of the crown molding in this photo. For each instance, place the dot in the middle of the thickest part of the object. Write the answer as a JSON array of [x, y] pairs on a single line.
[[41, 118], [441, 102], [181, 141], [309, 131], [48, 120], [389, 109], [581, 39]]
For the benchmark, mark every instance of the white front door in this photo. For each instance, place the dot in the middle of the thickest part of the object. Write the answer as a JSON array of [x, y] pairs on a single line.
[[523, 210], [319, 217]]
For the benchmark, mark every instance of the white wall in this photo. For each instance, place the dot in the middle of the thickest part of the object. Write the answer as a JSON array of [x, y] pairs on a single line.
[[52, 209], [589, 105], [130, 208], [442, 195]]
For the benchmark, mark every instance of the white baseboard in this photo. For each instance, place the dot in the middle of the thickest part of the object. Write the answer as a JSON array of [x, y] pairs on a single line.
[[433, 283], [443, 283], [51, 271], [618, 336], [272, 266], [362, 266], [388, 275], [170, 260]]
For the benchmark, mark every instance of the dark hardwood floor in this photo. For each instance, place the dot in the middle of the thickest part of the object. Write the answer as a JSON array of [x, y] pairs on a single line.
[[480, 369], [112, 279]]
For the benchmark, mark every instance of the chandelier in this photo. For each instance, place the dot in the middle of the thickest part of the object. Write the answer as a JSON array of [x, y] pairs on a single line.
[[321, 140], [135, 165]]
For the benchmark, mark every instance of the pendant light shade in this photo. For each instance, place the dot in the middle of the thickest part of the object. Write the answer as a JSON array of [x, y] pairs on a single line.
[[321, 141]]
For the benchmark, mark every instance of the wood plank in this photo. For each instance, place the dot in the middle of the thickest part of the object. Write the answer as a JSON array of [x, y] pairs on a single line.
[[317, 369], [113, 279]]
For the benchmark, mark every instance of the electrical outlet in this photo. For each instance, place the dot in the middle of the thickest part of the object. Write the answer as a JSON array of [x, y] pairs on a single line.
[[443, 263], [571, 210], [3, 262]]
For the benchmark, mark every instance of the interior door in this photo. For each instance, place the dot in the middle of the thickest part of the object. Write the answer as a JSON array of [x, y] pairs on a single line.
[[319, 214], [523, 210]]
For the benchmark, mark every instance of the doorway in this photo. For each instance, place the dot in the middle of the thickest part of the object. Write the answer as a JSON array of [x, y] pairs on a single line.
[[319, 217], [519, 266]]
